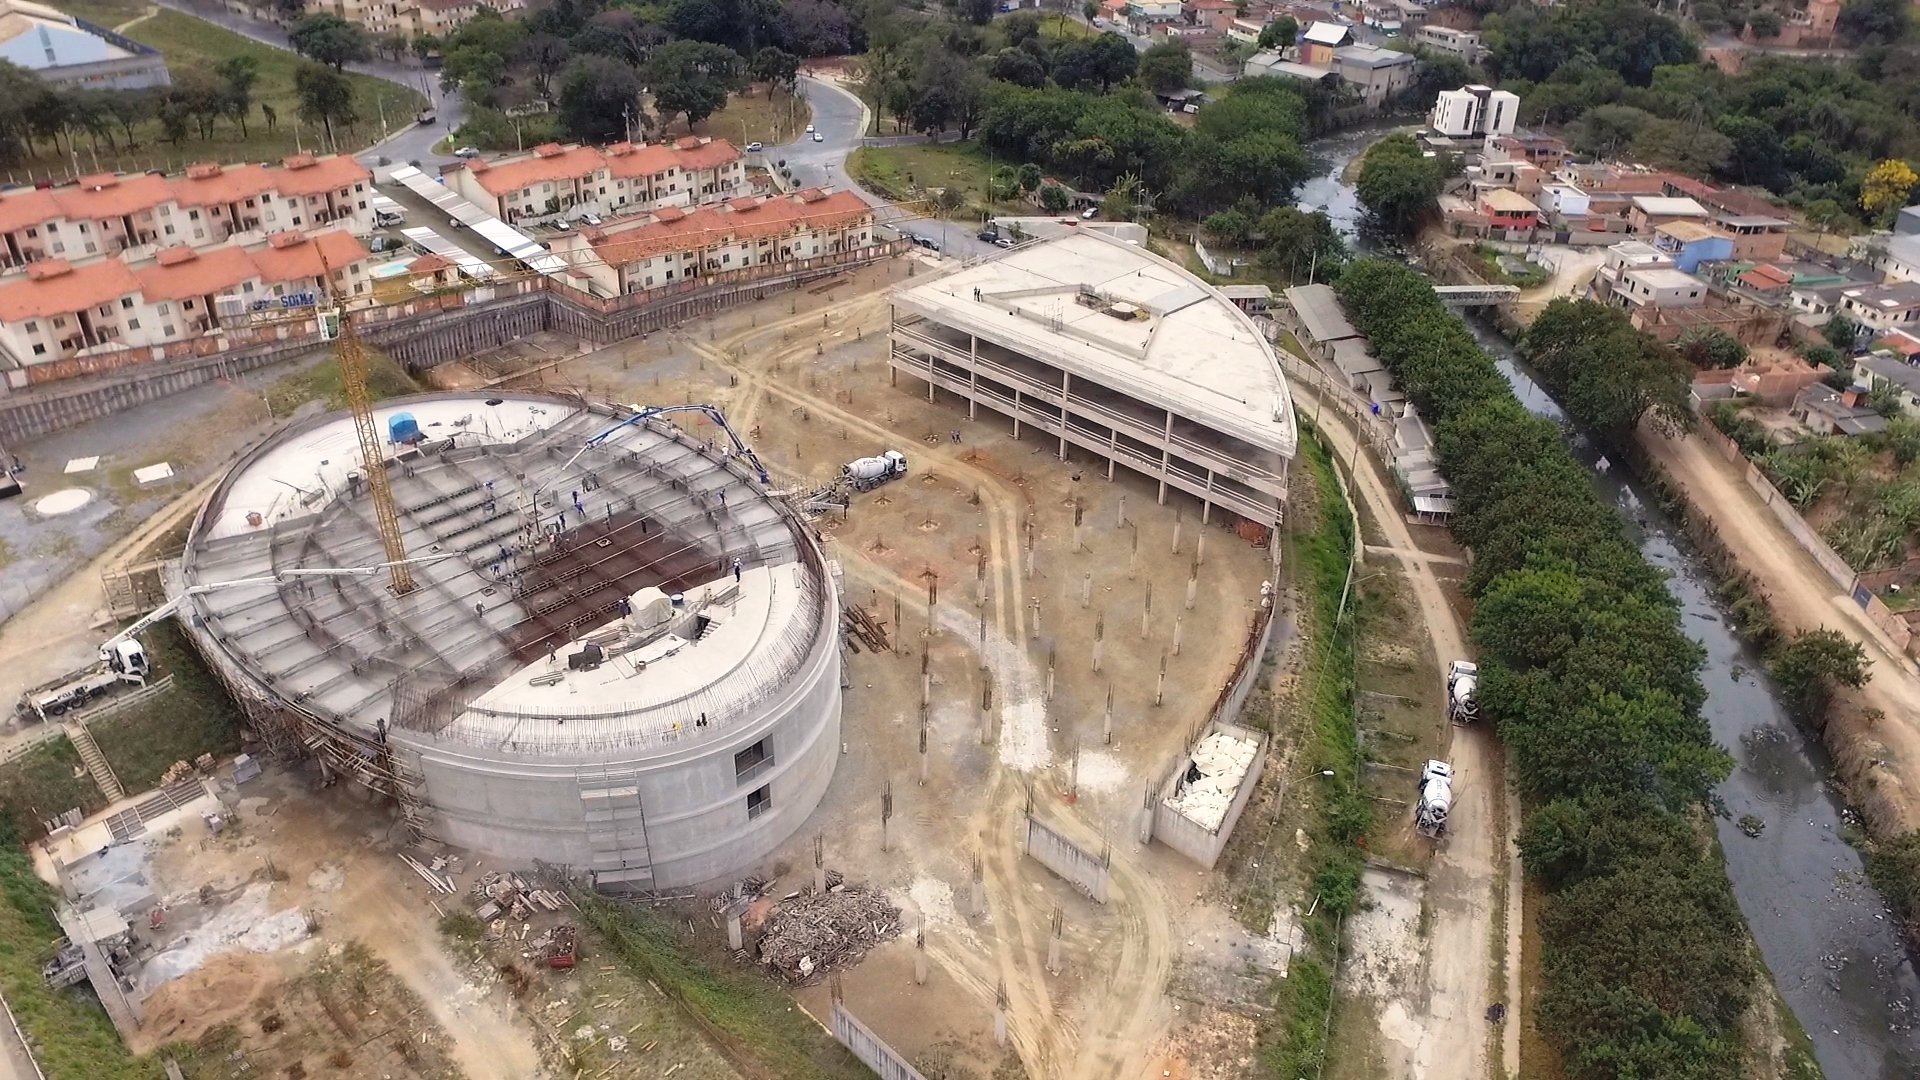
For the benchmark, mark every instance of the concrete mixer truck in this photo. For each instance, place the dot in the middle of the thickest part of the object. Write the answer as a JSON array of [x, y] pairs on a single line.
[[1463, 682], [1436, 798], [868, 473]]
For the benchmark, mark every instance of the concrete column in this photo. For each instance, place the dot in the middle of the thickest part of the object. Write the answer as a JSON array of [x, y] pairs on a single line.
[[1099, 643], [979, 887], [733, 931], [1120, 517], [1086, 589], [920, 957], [1146, 818], [1146, 613], [1179, 522], [1179, 623], [1160, 687], [1016, 410], [1106, 722]]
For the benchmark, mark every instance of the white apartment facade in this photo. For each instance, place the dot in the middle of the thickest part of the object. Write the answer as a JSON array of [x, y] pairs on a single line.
[[670, 246], [554, 179]]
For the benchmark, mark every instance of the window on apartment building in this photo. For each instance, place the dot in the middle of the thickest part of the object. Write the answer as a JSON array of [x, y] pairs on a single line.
[[193, 215], [52, 227], [167, 330], [59, 249], [126, 301], [91, 249], [169, 229], [669, 275], [296, 219], [199, 234], [166, 309], [265, 199], [33, 328], [39, 350], [32, 232], [133, 324], [59, 322], [83, 228], [106, 309], [759, 801]]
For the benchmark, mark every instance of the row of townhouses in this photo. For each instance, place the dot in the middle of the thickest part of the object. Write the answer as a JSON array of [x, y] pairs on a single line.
[[135, 215], [57, 309], [669, 246], [621, 178]]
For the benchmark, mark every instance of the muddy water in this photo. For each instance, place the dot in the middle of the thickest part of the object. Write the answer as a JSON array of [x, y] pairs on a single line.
[[1825, 934]]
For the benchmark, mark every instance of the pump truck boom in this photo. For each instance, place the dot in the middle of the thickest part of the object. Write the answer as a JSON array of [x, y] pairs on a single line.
[[123, 660]]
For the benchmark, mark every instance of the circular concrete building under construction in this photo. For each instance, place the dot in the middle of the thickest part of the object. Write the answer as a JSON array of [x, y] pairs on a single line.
[[616, 653]]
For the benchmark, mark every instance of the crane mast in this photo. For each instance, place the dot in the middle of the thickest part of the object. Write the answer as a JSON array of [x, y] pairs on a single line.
[[353, 377]]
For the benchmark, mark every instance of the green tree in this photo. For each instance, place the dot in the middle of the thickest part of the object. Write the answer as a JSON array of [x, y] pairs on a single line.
[[1280, 33], [1301, 244], [1232, 226], [1870, 21], [1841, 333], [1710, 347], [239, 73], [1166, 66], [1812, 666], [775, 67], [600, 98], [1018, 67], [330, 40], [1029, 175], [1398, 185], [977, 12], [1054, 198], [1090, 10], [693, 78], [1607, 374], [326, 98]]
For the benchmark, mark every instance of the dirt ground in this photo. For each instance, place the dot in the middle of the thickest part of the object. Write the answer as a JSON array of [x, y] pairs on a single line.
[[331, 854], [1436, 1027], [989, 522], [1880, 760]]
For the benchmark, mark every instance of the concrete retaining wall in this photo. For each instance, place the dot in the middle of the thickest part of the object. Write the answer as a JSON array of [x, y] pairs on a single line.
[[440, 333], [1084, 869], [872, 1051], [1189, 837]]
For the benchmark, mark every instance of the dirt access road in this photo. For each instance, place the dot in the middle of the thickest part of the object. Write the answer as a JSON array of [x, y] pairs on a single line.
[[1113, 1033], [1803, 597], [1439, 1030]]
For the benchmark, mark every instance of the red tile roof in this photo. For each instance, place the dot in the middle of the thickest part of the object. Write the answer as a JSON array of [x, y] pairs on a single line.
[[305, 174], [626, 161], [290, 256], [712, 153], [661, 233], [57, 287], [108, 196], [215, 185], [181, 272], [27, 207], [427, 264], [564, 164]]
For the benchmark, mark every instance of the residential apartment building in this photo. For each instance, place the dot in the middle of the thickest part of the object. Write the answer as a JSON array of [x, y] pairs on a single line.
[[1628, 255], [1376, 74], [1881, 308], [1474, 111], [620, 178], [56, 309], [670, 246], [1464, 44], [109, 214]]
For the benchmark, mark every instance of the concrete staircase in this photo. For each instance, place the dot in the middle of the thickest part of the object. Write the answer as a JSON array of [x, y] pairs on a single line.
[[95, 761]]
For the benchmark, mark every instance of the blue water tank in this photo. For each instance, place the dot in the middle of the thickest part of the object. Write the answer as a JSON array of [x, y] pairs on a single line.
[[403, 428]]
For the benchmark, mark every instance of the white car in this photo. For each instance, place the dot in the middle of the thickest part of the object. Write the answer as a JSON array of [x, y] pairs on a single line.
[[817, 137], [466, 152], [810, 130], [1004, 241], [591, 219], [754, 148], [1088, 213]]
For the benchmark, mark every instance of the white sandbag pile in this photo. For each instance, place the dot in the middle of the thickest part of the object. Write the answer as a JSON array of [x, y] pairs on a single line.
[[1220, 761]]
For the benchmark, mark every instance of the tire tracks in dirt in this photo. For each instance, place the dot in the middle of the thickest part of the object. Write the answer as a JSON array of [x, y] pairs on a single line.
[[1447, 1035], [1046, 1039]]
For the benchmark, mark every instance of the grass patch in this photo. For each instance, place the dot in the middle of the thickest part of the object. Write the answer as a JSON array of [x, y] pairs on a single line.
[[322, 383], [462, 926], [68, 1031], [41, 783], [1486, 262], [909, 173], [762, 115], [1293, 1036], [746, 1016], [186, 42], [194, 717]]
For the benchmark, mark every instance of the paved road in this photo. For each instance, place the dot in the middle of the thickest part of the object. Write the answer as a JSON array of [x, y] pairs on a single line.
[[409, 142], [841, 117]]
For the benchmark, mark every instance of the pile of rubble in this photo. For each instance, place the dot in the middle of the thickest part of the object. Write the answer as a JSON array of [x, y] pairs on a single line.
[[502, 894], [809, 934]]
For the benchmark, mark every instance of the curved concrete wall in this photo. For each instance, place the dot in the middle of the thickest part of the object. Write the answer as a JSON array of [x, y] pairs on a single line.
[[678, 810]]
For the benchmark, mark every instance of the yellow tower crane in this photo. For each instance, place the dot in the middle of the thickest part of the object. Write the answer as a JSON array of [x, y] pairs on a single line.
[[353, 377]]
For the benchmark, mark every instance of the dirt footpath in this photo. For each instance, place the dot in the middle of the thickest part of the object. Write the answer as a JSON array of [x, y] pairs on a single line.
[[1880, 760], [1436, 1026]]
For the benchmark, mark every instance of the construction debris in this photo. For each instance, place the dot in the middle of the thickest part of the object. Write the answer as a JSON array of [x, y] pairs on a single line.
[[441, 883], [507, 894], [812, 934]]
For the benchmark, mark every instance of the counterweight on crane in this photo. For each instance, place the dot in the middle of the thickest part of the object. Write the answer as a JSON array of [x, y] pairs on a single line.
[[373, 459]]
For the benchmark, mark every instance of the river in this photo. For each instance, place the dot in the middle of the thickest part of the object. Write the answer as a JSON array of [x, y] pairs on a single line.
[[1826, 935]]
